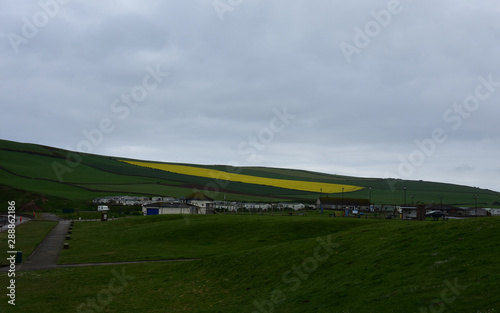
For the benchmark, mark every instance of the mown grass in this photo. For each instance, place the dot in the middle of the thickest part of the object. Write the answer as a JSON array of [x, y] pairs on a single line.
[[196, 236], [28, 236], [377, 266]]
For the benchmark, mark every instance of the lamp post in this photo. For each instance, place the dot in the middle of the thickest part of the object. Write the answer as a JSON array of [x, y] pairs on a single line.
[[475, 200], [320, 201], [370, 195], [411, 197], [405, 195], [342, 203]]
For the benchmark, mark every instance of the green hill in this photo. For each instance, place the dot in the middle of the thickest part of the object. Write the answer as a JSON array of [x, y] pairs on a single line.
[[50, 178], [271, 264]]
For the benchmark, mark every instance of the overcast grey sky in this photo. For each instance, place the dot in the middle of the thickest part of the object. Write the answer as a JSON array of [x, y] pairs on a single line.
[[406, 89]]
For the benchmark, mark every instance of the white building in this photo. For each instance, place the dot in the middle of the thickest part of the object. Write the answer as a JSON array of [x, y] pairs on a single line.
[[168, 208], [293, 206], [494, 212], [257, 206], [201, 201]]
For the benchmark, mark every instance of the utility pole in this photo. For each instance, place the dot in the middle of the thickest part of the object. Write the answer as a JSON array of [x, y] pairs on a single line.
[[405, 195], [342, 203], [370, 195], [475, 200]]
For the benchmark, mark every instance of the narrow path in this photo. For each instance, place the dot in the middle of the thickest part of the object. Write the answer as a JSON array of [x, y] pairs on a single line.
[[47, 253], [125, 262], [19, 220]]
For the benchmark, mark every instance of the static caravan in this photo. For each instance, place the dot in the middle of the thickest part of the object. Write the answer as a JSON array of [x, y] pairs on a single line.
[[102, 208]]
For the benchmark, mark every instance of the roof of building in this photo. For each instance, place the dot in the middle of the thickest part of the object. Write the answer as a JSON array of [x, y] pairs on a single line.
[[198, 196], [163, 205], [438, 206]]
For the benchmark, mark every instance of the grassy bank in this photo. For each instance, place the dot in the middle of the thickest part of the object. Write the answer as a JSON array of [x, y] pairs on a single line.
[[196, 236], [273, 264]]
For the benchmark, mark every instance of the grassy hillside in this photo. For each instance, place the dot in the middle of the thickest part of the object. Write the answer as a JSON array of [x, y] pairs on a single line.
[[195, 236], [56, 178], [273, 264]]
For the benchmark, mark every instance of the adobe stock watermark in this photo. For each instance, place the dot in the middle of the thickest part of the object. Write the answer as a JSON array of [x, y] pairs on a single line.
[[265, 136], [453, 117], [40, 19], [104, 297], [121, 107], [363, 36], [448, 295], [299, 272], [223, 6]]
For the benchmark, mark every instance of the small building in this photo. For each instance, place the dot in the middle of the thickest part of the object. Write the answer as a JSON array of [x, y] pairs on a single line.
[[168, 208], [293, 206], [254, 207], [387, 209], [493, 212], [413, 213], [200, 200], [327, 203], [104, 200], [476, 212]]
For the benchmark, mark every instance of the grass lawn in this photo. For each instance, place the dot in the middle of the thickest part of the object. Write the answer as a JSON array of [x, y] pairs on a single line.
[[196, 236], [274, 264], [28, 236]]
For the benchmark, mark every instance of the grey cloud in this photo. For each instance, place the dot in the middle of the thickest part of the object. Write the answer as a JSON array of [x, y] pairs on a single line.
[[225, 78]]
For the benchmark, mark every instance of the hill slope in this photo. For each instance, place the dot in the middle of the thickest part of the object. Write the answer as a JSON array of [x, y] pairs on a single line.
[[65, 178], [273, 264]]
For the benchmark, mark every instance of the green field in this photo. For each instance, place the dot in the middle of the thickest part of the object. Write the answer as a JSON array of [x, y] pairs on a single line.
[[253, 263], [57, 179]]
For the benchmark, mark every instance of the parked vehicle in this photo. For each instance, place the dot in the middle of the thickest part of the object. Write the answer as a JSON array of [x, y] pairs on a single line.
[[102, 208], [434, 214]]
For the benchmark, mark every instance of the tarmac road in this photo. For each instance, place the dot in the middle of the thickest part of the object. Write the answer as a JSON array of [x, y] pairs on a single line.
[[19, 220]]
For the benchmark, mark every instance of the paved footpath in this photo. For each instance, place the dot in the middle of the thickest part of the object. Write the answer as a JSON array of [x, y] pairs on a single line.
[[5, 227], [47, 253]]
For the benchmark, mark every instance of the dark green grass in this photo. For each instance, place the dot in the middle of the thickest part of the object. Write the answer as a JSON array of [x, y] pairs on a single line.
[[48, 188], [20, 196], [429, 192], [384, 266], [25, 147], [195, 236], [28, 236], [42, 167], [151, 189]]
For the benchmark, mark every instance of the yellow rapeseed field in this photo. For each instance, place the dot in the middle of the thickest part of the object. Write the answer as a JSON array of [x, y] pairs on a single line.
[[215, 174]]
